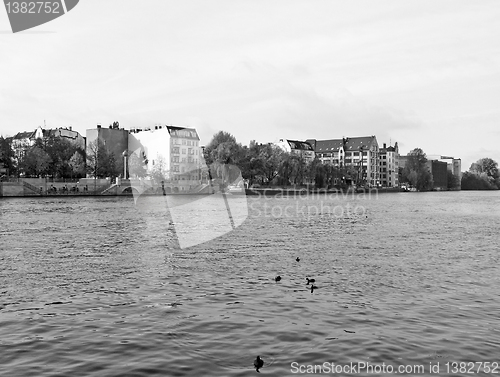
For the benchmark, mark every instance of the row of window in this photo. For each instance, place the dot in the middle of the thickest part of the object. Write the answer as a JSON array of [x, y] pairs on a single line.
[[191, 151], [190, 160], [193, 143]]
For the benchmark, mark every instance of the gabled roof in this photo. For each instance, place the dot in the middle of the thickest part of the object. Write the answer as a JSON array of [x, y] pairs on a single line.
[[185, 132], [349, 144], [332, 145], [354, 143], [23, 135]]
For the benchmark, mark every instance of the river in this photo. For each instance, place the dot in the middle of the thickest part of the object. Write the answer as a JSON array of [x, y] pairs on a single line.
[[102, 286]]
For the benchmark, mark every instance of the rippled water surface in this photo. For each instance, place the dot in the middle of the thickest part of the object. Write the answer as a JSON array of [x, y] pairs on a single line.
[[100, 286]]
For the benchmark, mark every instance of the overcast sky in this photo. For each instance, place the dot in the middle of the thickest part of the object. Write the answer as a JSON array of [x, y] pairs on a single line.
[[423, 73]]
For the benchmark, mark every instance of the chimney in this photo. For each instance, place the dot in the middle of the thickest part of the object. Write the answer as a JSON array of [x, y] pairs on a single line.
[[98, 126], [70, 128], [384, 145]]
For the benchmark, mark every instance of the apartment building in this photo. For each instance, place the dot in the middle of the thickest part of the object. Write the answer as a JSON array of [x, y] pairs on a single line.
[[358, 153], [172, 151], [389, 165], [23, 140], [300, 148]]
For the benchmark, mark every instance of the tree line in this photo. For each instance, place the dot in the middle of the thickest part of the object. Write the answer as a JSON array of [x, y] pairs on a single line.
[[57, 157], [49, 156], [482, 175], [269, 165], [260, 164]]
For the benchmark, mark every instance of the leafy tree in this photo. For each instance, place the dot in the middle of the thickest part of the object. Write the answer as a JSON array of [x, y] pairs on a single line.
[[474, 181], [261, 162], [223, 149], [416, 172], [222, 152], [453, 181], [77, 165], [7, 155], [61, 151], [252, 164], [272, 158], [35, 162], [293, 169], [487, 169], [316, 173]]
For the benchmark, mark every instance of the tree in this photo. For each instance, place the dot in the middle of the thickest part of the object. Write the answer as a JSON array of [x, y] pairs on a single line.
[[137, 164], [77, 165], [35, 162], [222, 152], [272, 158], [486, 169], [60, 151], [416, 172], [474, 181], [261, 162], [100, 161], [453, 181], [223, 149], [7, 155], [159, 171]]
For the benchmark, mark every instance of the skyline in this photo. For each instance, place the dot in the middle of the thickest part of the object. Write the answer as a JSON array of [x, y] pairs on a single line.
[[419, 73]]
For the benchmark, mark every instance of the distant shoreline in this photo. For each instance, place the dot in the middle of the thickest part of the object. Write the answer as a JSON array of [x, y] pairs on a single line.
[[265, 191]]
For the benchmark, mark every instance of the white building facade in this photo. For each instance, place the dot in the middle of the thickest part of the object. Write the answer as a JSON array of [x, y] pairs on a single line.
[[172, 153]]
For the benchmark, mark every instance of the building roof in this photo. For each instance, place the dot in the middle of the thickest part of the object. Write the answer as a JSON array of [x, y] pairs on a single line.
[[355, 143], [349, 144], [328, 145], [23, 135], [185, 132]]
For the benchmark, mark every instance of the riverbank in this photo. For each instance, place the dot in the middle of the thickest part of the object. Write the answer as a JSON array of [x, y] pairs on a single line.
[[24, 189]]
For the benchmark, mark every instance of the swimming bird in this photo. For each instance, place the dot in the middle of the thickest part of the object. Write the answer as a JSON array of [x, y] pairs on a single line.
[[313, 287], [309, 281], [298, 259], [258, 363], [277, 278]]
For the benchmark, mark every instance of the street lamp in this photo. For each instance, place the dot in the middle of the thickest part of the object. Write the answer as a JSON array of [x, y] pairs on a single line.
[[125, 155]]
